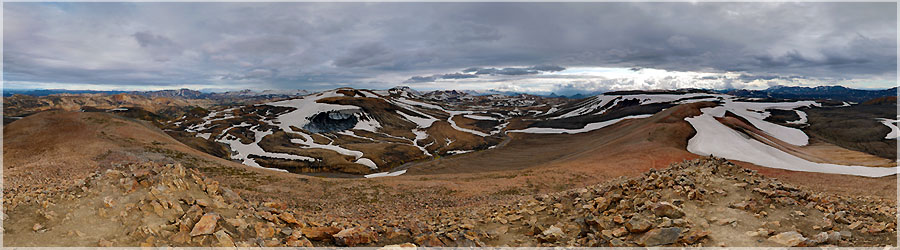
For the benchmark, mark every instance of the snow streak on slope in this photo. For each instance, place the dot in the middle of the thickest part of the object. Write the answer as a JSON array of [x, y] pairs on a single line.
[[755, 113], [211, 117], [803, 119], [243, 151], [890, 124], [451, 112], [457, 127], [480, 117], [419, 121], [367, 163], [592, 106], [586, 128], [386, 174], [714, 138]]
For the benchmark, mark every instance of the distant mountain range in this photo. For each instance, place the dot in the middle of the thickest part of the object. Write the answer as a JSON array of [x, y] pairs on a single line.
[[46, 92], [183, 93], [838, 93]]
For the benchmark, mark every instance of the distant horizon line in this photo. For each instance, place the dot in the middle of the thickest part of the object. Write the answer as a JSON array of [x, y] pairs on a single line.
[[212, 91]]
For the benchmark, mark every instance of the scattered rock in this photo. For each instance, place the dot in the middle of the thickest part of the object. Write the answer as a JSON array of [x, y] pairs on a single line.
[[181, 237], [428, 240], [638, 225], [353, 237], [288, 218], [552, 234], [397, 234], [833, 238], [275, 204], [229, 195], [206, 225], [667, 210], [398, 246], [877, 227], [819, 238], [788, 239], [660, 236], [264, 230], [298, 242], [238, 223], [694, 236], [320, 233], [846, 234], [225, 240]]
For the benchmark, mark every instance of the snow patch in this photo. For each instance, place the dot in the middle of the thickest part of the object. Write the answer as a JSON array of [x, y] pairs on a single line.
[[890, 124], [243, 151], [385, 174], [204, 135], [419, 121], [714, 138], [420, 135], [755, 112], [367, 163], [479, 117], [803, 119], [586, 128]]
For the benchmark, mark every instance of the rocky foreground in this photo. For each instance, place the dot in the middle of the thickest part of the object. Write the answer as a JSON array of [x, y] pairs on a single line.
[[708, 202]]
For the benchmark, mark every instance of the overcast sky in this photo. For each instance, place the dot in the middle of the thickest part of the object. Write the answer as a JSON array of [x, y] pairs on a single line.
[[530, 47]]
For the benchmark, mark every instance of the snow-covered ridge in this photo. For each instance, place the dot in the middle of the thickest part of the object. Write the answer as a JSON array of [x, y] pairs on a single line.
[[594, 104]]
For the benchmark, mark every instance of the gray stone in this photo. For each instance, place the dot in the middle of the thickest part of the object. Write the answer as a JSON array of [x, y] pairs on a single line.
[[660, 236]]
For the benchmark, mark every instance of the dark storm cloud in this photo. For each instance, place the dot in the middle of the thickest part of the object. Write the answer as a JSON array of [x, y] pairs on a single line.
[[417, 79], [457, 76], [310, 45], [548, 68]]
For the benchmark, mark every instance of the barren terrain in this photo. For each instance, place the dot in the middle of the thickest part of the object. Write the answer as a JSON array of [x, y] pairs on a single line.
[[606, 187]]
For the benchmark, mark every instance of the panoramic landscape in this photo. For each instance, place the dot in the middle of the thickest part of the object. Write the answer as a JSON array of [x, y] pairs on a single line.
[[450, 125]]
